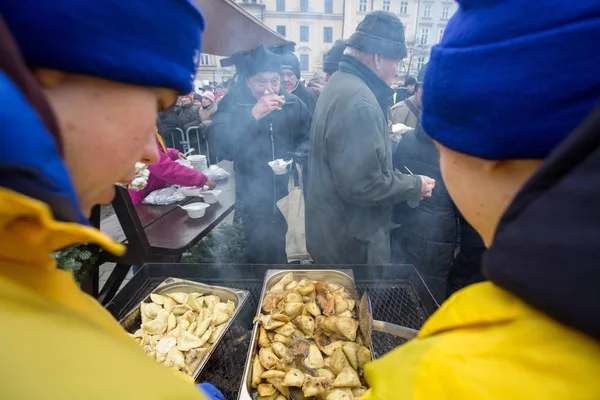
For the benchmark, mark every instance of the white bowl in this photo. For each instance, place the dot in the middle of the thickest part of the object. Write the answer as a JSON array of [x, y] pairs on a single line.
[[196, 158], [190, 191], [211, 196], [185, 163], [196, 210], [280, 166]]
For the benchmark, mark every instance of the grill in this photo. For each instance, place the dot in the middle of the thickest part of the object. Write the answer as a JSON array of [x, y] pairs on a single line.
[[397, 295]]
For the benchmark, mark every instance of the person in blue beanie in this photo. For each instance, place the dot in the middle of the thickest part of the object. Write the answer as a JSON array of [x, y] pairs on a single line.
[[524, 172], [72, 75]]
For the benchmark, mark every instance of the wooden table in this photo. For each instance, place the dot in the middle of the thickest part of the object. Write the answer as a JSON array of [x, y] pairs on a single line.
[[156, 233]]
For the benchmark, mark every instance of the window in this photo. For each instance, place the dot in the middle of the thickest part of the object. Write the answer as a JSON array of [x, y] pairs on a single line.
[[420, 63], [303, 5], [328, 34], [441, 34], [204, 59], [281, 30], [328, 6], [303, 62], [404, 7], [280, 5], [427, 11], [362, 5], [445, 12], [385, 5], [424, 35], [304, 33]]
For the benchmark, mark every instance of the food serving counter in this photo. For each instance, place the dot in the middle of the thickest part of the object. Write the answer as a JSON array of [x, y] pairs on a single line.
[[397, 293]]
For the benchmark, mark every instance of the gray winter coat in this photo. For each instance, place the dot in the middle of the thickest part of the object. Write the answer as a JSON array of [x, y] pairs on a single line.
[[352, 184]]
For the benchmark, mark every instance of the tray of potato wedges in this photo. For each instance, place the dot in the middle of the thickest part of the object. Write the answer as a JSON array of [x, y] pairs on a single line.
[[306, 342], [181, 322]]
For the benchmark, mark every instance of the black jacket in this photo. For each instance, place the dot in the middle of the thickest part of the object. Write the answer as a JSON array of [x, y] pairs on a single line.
[[427, 234], [189, 116], [307, 97], [236, 135], [547, 245]]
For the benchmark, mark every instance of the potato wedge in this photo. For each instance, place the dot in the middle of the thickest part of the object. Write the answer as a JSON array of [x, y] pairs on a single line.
[[257, 371], [266, 389], [351, 352], [263, 338], [347, 378], [293, 309], [273, 373], [339, 394], [280, 350], [314, 359], [278, 383], [281, 339], [347, 327], [325, 373], [267, 357], [286, 329], [363, 356], [339, 361], [332, 347], [305, 287], [313, 308], [314, 386], [306, 324], [294, 377]]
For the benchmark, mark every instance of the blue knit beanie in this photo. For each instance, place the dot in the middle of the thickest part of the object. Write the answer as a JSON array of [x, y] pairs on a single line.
[[140, 42], [512, 78]]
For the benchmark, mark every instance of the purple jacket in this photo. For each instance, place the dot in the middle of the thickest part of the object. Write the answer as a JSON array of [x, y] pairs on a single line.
[[166, 170]]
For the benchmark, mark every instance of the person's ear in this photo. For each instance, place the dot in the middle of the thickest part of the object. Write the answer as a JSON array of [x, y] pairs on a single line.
[[49, 78]]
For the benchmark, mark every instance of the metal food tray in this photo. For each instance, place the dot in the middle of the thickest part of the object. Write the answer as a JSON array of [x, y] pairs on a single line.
[[343, 277], [132, 320]]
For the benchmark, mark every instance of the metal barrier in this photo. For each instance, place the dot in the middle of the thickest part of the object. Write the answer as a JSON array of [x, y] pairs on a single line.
[[185, 141], [187, 136]]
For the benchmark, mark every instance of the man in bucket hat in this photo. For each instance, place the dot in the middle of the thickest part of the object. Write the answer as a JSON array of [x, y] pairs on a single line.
[[352, 184], [72, 75]]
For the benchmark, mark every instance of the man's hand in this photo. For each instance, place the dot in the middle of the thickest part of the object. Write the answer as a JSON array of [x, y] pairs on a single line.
[[267, 104], [210, 183], [427, 186]]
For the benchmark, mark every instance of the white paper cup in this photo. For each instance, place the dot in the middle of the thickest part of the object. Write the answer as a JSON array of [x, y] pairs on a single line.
[[280, 166], [196, 210], [211, 196]]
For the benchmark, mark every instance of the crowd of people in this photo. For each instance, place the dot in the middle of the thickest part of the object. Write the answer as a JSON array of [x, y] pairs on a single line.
[[469, 165]]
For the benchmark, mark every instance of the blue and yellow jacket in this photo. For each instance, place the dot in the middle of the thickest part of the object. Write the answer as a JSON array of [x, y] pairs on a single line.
[[57, 342]]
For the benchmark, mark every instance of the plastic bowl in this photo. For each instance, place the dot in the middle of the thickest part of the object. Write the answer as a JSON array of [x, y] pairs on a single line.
[[280, 167], [190, 191], [185, 163], [211, 196], [196, 210]]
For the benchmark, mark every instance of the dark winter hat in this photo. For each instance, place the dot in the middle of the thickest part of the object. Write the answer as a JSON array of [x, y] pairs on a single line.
[[290, 61], [333, 57], [380, 32], [103, 39], [256, 61]]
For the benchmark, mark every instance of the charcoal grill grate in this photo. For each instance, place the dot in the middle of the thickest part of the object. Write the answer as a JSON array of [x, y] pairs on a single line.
[[392, 301]]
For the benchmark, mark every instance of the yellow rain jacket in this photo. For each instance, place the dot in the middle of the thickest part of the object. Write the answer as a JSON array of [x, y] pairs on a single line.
[[485, 343], [55, 341]]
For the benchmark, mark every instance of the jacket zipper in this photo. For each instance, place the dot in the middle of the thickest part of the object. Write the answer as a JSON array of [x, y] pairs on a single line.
[[274, 178]]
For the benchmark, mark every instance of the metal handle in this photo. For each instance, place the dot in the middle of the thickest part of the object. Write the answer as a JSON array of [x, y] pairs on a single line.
[[396, 330]]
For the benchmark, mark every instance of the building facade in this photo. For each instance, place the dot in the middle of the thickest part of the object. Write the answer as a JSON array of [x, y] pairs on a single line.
[[433, 16], [314, 25]]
